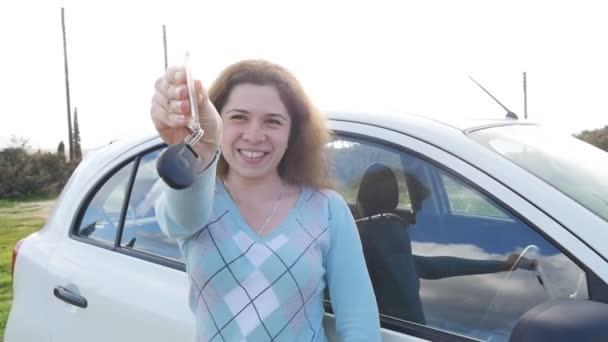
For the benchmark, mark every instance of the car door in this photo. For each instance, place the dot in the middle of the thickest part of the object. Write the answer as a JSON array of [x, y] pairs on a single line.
[[117, 278], [461, 227]]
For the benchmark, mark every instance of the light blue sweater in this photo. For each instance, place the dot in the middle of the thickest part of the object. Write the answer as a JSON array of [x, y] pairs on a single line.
[[270, 288]]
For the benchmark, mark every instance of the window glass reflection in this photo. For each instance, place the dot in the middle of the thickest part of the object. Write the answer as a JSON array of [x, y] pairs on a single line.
[[141, 231], [101, 217], [439, 252]]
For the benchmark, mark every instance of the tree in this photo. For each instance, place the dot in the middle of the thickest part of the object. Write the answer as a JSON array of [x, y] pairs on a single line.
[[597, 137], [61, 150], [16, 142], [76, 137]]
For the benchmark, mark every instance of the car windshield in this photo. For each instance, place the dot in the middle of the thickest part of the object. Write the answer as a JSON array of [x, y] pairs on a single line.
[[574, 167]]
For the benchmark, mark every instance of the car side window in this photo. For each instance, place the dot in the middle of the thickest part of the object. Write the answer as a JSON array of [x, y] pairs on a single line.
[[453, 259], [464, 201], [100, 219], [348, 175], [141, 230]]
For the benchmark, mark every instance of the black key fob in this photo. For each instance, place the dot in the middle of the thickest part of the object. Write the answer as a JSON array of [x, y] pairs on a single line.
[[177, 165]]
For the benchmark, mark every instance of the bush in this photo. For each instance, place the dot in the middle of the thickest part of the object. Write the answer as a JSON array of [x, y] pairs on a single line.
[[597, 137], [26, 174]]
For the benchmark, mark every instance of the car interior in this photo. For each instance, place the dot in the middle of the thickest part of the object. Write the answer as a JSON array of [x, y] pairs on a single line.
[[387, 246]]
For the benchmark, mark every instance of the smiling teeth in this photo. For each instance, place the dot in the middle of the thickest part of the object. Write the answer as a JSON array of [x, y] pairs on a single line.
[[252, 154]]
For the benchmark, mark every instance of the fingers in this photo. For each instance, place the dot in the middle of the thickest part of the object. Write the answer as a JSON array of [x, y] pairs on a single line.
[[171, 110], [164, 119], [527, 264], [176, 75], [171, 90], [170, 104], [160, 100], [522, 263], [167, 112], [200, 92]]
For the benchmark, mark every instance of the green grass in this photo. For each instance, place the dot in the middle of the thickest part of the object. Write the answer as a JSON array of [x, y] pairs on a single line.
[[18, 219], [6, 203]]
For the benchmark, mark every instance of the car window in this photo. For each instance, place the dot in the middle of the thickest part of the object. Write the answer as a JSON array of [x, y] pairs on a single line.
[[141, 231], [101, 217], [463, 200], [447, 260], [347, 175], [567, 163]]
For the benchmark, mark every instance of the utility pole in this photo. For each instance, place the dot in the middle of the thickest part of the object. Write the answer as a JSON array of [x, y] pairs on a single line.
[[67, 87], [525, 97], [165, 46]]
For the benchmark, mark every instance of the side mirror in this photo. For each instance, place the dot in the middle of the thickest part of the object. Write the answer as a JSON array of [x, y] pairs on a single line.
[[563, 320]]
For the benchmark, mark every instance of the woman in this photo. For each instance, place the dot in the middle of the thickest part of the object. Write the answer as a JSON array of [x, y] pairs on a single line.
[[262, 237]]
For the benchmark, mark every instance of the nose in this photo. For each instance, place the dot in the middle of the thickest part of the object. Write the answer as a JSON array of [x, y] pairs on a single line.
[[254, 132]]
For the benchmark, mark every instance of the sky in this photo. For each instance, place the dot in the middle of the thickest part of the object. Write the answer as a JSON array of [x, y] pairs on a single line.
[[394, 56]]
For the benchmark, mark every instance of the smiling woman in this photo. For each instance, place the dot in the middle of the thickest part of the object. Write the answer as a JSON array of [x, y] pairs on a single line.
[[256, 130], [283, 96], [264, 238]]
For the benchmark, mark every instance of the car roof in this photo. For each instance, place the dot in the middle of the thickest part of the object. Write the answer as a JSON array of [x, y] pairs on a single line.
[[449, 134], [106, 154], [410, 123]]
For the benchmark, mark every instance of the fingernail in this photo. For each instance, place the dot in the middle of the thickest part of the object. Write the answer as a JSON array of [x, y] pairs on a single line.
[[176, 106], [178, 91], [179, 76], [177, 117]]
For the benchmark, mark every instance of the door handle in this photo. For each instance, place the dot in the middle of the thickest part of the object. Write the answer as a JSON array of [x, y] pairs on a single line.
[[70, 297]]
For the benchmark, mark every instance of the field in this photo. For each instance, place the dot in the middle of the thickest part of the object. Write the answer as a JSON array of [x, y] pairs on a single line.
[[17, 220]]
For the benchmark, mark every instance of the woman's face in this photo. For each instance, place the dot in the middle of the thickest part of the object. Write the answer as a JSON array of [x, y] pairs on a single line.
[[256, 129]]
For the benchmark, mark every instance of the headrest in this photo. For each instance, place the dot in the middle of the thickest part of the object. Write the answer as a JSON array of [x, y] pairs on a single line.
[[378, 191]]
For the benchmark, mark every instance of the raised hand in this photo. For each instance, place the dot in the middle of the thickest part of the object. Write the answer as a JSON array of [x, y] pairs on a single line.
[[171, 112]]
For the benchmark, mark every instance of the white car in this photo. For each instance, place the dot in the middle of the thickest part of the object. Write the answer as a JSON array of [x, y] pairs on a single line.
[[440, 207]]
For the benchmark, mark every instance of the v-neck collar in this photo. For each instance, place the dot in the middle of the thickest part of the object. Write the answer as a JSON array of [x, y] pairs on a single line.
[[284, 225]]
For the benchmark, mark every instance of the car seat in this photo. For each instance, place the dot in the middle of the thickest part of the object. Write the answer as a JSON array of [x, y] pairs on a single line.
[[386, 245]]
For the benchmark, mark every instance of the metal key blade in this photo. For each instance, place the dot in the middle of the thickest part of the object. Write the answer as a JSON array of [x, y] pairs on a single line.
[[194, 124]]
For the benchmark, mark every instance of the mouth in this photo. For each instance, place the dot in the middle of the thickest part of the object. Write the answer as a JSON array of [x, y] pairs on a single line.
[[250, 155]]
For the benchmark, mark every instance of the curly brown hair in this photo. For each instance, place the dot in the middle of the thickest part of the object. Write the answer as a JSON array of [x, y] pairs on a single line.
[[305, 161]]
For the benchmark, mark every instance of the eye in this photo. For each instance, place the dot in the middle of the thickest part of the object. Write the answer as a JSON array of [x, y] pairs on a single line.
[[274, 122], [238, 117]]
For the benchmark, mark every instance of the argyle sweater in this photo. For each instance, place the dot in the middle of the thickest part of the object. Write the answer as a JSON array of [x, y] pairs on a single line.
[[270, 288]]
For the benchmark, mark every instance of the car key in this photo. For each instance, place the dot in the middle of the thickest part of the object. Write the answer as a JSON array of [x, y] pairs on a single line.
[[177, 164]]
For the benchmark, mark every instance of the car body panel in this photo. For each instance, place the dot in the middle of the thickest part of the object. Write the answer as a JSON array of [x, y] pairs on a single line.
[[142, 300], [30, 305], [156, 294]]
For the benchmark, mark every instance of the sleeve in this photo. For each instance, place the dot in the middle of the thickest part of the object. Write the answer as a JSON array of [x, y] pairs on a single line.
[[350, 289], [182, 213], [443, 266]]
